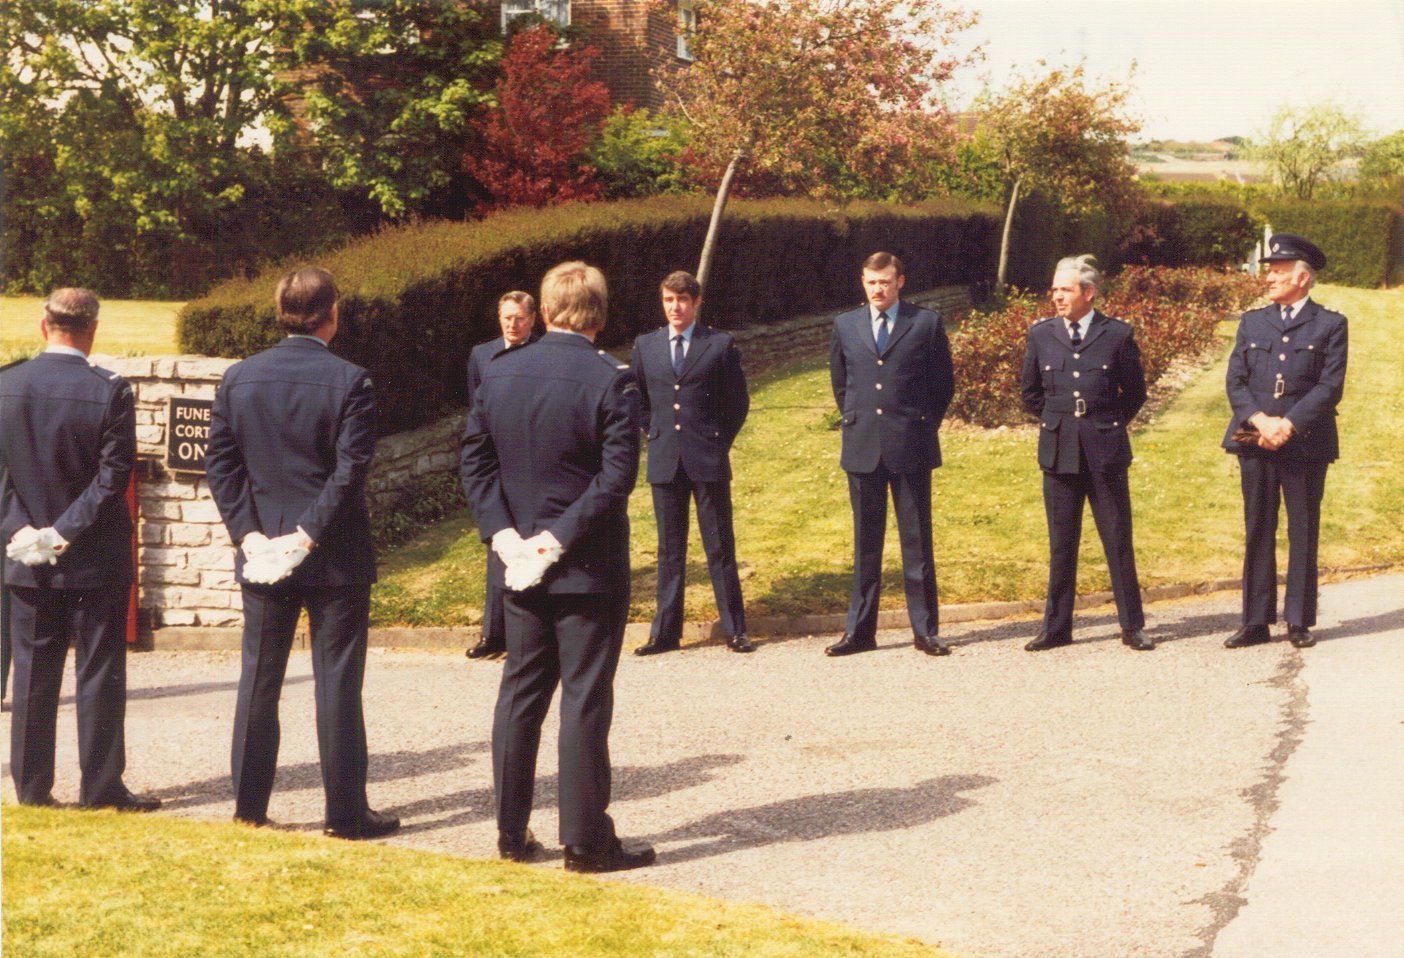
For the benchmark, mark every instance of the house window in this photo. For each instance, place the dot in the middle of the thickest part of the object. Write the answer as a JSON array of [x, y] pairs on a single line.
[[687, 25], [552, 11]]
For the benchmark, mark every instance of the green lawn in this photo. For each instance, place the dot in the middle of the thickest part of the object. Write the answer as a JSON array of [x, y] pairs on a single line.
[[103, 884], [126, 327], [793, 524]]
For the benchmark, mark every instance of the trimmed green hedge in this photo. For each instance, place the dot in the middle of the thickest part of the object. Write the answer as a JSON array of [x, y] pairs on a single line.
[[1212, 229], [1361, 238], [416, 299]]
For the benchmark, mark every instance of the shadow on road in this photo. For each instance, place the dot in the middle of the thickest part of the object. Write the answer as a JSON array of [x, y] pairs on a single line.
[[821, 816]]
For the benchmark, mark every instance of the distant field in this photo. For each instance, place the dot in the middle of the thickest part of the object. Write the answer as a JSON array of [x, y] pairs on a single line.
[[126, 327], [1202, 171]]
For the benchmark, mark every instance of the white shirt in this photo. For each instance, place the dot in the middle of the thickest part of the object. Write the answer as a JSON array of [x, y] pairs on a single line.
[[1084, 323], [316, 339], [686, 335], [891, 311], [1293, 308], [65, 351]]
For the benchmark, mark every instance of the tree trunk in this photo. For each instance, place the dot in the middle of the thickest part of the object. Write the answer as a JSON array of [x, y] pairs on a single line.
[[709, 245], [1008, 228]]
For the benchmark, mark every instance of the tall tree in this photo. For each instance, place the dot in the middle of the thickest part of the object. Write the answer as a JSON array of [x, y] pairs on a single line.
[[818, 96], [1064, 135], [1304, 145], [548, 113]]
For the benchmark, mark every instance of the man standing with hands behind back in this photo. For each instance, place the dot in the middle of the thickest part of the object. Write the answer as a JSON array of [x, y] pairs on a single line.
[[516, 314], [1285, 377], [66, 452], [694, 401], [890, 367], [550, 455], [292, 434]]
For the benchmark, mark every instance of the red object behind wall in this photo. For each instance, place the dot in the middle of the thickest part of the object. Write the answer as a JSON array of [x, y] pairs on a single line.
[[136, 532]]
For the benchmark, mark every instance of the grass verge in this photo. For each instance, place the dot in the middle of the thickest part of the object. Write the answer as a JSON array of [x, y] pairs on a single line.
[[794, 527], [127, 327], [100, 884]]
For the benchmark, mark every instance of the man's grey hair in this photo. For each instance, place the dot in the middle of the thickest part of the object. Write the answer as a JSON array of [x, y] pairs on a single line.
[[1305, 267], [1081, 266], [71, 309]]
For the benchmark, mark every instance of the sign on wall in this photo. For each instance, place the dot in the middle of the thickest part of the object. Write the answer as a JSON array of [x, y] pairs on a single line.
[[187, 433]]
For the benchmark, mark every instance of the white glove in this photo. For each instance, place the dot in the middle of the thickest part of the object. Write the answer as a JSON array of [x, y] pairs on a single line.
[[273, 560], [31, 547], [508, 545], [541, 552]]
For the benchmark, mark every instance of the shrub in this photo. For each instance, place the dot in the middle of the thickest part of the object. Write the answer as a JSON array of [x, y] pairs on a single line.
[[1205, 229], [1361, 238], [1175, 313], [415, 299], [637, 154]]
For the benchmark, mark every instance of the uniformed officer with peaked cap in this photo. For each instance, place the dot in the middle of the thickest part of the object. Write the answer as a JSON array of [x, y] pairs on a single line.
[[66, 453], [1082, 377], [1285, 379]]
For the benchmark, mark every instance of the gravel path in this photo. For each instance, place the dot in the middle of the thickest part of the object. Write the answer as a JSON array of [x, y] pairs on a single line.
[[1089, 801]]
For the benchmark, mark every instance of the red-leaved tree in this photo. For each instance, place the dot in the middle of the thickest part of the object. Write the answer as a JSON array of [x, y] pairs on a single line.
[[547, 115]]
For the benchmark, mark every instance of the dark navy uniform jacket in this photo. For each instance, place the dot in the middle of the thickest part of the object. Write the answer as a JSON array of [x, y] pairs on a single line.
[[1297, 372], [480, 356], [692, 418], [1084, 399], [292, 435], [553, 443], [892, 404], [68, 440]]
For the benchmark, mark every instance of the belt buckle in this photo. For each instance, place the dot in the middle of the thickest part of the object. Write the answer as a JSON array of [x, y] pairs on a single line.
[[1080, 408], [1279, 387]]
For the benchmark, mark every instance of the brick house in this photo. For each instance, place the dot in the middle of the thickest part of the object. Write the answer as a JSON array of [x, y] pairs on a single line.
[[634, 37]]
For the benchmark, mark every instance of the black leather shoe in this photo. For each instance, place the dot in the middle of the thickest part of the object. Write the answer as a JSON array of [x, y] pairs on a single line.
[[1043, 641], [1300, 637], [128, 802], [1137, 639], [931, 645], [484, 649], [1248, 635], [740, 643], [374, 825], [848, 645], [607, 858], [518, 847], [656, 646]]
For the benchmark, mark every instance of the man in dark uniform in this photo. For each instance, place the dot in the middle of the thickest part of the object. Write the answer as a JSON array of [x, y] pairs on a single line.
[[1285, 379], [694, 401], [890, 367], [291, 438], [1082, 377], [66, 453], [550, 455], [516, 314]]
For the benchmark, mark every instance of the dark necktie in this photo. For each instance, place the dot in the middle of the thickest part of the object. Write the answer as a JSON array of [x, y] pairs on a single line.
[[1286, 315], [677, 355], [882, 332], [1075, 333]]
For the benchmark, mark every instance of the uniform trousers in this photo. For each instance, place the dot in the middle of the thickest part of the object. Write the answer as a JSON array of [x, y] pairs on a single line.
[[42, 624], [671, 501], [1110, 496], [1267, 482], [338, 616], [572, 640], [911, 499], [494, 626]]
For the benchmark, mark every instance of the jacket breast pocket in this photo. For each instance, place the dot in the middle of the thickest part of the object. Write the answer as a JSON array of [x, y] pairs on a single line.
[[1052, 368], [1257, 355], [1306, 360]]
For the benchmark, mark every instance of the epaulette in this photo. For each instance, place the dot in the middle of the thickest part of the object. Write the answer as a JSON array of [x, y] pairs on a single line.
[[1040, 322], [1117, 319], [13, 363]]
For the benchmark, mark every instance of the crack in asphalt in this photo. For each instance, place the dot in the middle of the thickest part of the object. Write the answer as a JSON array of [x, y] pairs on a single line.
[[1247, 849]]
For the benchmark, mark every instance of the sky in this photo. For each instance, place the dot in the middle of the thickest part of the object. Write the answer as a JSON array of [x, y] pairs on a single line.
[[1207, 68]]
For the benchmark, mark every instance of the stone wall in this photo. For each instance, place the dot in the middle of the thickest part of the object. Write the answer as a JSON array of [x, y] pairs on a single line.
[[185, 560]]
